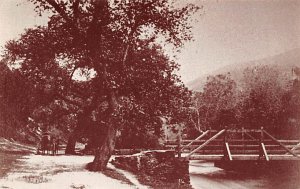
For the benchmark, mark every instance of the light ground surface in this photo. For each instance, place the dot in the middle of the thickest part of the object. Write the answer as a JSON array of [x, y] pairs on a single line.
[[43, 172]]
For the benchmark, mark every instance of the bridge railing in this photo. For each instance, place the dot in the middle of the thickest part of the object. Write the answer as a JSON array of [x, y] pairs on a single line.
[[231, 142]]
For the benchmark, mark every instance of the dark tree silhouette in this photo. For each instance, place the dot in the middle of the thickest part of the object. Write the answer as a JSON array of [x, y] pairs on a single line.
[[116, 40]]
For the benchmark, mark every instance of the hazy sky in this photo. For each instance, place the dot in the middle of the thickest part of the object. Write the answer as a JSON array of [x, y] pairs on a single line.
[[227, 31]]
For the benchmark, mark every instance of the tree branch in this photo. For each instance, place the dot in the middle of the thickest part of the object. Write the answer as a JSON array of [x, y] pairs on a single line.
[[58, 9], [73, 102], [63, 14], [76, 10], [73, 71], [99, 4]]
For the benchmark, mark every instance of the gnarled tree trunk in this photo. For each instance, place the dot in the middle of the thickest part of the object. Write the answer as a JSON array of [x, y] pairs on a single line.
[[107, 146], [70, 149], [83, 123], [104, 152]]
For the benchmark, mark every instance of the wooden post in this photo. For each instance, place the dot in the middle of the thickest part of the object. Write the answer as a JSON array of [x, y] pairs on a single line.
[[262, 134], [265, 154], [179, 146], [224, 140], [226, 149], [261, 138], [209, 136], [225, 157], [262, 148], [243, 138], [228, 153]]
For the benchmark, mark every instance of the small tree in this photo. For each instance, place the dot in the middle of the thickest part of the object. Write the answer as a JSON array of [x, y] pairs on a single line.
[[290, 114], [217, 102], [263, 92]]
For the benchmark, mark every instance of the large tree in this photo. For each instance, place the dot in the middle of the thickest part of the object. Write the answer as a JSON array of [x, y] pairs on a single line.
[[106, 36]]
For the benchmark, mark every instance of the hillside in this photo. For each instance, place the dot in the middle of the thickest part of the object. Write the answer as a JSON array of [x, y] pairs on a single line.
[[284, 61]]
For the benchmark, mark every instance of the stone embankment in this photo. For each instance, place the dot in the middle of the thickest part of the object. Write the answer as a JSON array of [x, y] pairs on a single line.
[[156, 168]]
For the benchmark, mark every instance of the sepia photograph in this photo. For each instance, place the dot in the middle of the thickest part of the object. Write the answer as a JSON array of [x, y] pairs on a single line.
[[150, 94]]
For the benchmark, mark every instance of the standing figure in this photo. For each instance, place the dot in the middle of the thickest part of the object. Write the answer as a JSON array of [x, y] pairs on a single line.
[[57, 146], [52, 145], [45, 143]]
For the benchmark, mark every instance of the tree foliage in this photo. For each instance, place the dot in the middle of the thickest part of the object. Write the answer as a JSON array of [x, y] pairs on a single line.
[[264, 98], [134, 80], [15, 102], [263, 93], [216, 102]]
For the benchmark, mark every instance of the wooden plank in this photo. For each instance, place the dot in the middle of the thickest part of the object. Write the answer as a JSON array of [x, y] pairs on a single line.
[[228, 151], [233, 140], [264, 151], [283, 157], [237, 149], [215, 157], [182, 141], [241, 151], [205, 143], [243, 130], [221, 151], [198, 138], [217, 140], [295, 147], [186, 141], [243, 157], [289, 141], [288, 150], [206, 157]]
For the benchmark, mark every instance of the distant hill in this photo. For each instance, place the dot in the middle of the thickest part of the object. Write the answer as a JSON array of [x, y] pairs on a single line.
[[284, 61]]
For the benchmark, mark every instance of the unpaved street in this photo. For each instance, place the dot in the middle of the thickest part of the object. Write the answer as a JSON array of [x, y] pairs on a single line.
[[36, 171]]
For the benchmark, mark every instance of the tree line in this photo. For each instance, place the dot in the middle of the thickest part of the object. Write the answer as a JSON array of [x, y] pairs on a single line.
[[265, 97]]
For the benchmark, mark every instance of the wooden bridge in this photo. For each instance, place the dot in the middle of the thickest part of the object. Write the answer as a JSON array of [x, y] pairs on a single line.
[[242, 144]]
